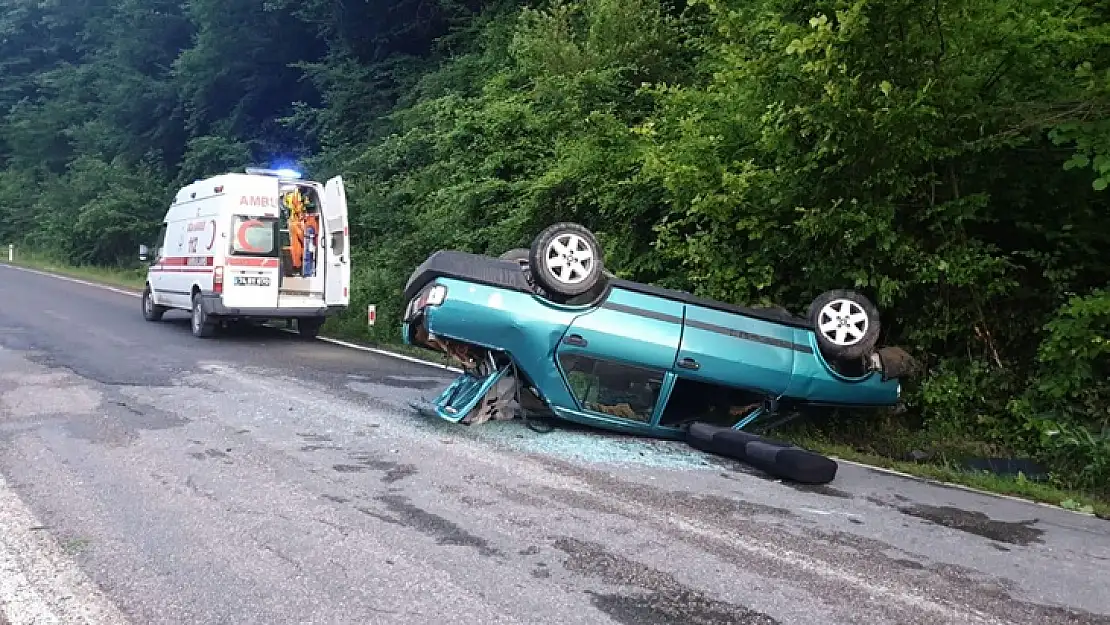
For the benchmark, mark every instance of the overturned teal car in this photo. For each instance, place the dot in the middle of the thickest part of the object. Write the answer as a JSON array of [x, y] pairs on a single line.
[[548, 331]]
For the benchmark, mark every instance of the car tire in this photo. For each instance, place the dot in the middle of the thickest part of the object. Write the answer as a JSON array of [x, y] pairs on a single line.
[[846, 324], [582, 264], [309, 327], [201, 324], [151, 311]]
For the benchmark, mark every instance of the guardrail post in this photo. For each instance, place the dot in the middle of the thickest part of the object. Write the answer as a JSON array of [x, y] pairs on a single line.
[[11, 252]]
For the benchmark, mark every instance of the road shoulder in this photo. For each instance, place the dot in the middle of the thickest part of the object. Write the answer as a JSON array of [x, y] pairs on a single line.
[[39, 583]]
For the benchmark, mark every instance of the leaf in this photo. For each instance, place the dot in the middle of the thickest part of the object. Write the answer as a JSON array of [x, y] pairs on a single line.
[[1077, 160], [1102, 163], [886, 87], [1100, 184]]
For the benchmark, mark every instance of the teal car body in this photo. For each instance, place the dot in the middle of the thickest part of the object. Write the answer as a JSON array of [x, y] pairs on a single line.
[[630, 338]]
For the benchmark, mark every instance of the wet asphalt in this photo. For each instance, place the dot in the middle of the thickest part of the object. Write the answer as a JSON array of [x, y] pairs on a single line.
[[259, 478]]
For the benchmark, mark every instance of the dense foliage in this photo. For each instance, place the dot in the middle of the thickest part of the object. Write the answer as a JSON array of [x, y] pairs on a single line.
[[950, 158]]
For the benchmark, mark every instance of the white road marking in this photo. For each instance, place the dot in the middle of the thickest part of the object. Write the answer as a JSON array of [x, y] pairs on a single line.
[[382, 352], [39, 584], [850, 515]]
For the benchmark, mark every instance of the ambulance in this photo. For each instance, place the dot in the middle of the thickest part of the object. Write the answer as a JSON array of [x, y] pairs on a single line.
[[260, 245]]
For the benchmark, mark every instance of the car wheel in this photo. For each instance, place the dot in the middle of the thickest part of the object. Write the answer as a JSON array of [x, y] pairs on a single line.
[[846, 324], [151, 311], [566, 260], [200, 322]]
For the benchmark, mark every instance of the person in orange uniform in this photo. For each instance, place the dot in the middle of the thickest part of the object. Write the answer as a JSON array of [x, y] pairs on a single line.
[[312, 220], [299, 221], [295, 203]]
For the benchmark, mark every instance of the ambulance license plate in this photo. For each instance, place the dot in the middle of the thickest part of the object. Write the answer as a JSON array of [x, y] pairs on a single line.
[[252, 281]]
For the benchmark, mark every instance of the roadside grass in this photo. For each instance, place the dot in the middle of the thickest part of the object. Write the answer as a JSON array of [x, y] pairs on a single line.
[[949, 471], [939, 470], [126, 277]]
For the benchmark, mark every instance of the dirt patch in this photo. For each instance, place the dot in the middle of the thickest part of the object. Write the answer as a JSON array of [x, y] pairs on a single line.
[[665, 601], [394, 471], [210, 453], [405, 514], [350, 468], [974, 522]]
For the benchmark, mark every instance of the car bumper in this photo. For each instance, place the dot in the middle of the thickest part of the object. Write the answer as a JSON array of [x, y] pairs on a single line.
[[213, 305]]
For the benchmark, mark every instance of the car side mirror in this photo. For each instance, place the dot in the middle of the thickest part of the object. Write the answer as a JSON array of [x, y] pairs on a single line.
[[144, 253]]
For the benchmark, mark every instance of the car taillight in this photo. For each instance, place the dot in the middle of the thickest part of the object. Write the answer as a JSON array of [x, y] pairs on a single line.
[[218, 279], [435, 295], [431, 297]]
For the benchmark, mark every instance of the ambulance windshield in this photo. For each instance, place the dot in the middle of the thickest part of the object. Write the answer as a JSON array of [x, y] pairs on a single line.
[[254, 236]]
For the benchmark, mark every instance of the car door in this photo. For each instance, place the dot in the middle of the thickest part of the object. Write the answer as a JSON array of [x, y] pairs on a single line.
[[614, 357], [155, 275], [730, 349], [251, 279], [173, 283], [337, 272]]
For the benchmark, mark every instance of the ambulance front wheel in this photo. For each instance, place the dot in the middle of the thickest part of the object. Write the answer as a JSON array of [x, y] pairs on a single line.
[[151, 311], [203, 326]]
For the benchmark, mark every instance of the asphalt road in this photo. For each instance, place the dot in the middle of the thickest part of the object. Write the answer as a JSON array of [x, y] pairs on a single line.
[[150, 477]]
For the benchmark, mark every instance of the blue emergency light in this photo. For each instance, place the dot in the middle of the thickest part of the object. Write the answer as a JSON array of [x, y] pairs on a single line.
[[285, 173]]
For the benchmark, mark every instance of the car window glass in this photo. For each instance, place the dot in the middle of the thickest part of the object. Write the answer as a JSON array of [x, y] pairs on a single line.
[[160, 244], [692, 401], [612, 388], [254, 236]]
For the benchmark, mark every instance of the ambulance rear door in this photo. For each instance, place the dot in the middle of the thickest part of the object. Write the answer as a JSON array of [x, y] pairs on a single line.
[[251, 278], [337, 257]]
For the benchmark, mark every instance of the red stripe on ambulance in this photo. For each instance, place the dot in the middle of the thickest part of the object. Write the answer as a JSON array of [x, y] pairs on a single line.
[[184, 264], [265, 263]]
